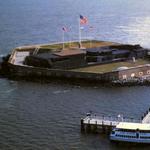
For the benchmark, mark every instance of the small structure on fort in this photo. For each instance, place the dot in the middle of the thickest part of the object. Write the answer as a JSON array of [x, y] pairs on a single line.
[[63, 59]]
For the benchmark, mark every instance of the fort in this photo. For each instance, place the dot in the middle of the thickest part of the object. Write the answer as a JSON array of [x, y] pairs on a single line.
[[95, 60]]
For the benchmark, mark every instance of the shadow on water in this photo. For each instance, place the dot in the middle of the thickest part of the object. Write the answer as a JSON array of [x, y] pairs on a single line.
[[125, 146]]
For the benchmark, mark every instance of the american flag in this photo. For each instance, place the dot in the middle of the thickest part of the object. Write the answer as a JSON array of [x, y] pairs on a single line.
[[83, 20]]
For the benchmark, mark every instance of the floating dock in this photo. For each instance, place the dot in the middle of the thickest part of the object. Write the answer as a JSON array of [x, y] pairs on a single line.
[[98, 124]]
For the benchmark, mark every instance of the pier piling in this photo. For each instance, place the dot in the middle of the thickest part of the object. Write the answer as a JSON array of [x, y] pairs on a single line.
[[88, 127], [95, 127], [82, 126]]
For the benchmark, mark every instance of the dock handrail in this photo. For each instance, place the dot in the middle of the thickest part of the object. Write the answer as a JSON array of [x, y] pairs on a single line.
[[112, 118]]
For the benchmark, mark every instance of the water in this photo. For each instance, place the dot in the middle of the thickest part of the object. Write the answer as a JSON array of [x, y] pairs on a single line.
[[47, 116]]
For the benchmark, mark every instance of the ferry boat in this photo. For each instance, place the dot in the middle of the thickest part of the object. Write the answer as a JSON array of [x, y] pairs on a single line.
[[131, 132]]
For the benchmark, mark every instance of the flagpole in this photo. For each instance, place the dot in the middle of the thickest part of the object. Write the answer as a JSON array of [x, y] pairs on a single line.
[[80, 44], [69, 41], [63, 39], [90, 43], [90, 36]]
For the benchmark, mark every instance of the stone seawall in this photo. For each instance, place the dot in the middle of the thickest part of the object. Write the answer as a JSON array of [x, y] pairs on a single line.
[[35, 72], [109, 78]]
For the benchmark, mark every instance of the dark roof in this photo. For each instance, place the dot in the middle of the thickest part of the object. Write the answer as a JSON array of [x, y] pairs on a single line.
[[45, 56], [115, 52], [98, 49], [141, 49], [125, 47], [69, 53]]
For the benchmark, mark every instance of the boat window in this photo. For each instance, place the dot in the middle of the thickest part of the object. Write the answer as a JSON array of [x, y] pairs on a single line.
[[146, 131], [145, 137], [125, 136], [126, 130]]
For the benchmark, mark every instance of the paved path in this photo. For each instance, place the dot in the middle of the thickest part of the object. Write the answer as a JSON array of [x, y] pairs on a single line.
[[19, 57]]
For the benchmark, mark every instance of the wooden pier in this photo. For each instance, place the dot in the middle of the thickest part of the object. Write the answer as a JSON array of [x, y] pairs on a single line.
[[97, 124]]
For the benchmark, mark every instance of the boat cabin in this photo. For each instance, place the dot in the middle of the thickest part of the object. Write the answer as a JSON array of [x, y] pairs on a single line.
[[131, 132]]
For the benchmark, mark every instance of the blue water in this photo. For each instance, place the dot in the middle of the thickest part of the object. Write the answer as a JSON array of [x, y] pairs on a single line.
[[41, 116]]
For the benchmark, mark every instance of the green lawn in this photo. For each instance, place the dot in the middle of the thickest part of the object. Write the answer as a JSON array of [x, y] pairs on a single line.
[[67, 46], [86, 44], [112, 66]]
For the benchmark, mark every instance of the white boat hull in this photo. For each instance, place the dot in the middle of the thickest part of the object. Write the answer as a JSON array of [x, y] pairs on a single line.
[[131, 140]]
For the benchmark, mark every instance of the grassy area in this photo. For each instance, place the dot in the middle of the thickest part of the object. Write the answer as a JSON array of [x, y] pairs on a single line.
[[86, 44], [112, 66], [67, 45]]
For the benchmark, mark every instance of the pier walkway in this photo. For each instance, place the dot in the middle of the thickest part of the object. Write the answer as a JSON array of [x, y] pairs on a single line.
[[107, 121], [92, 122]]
